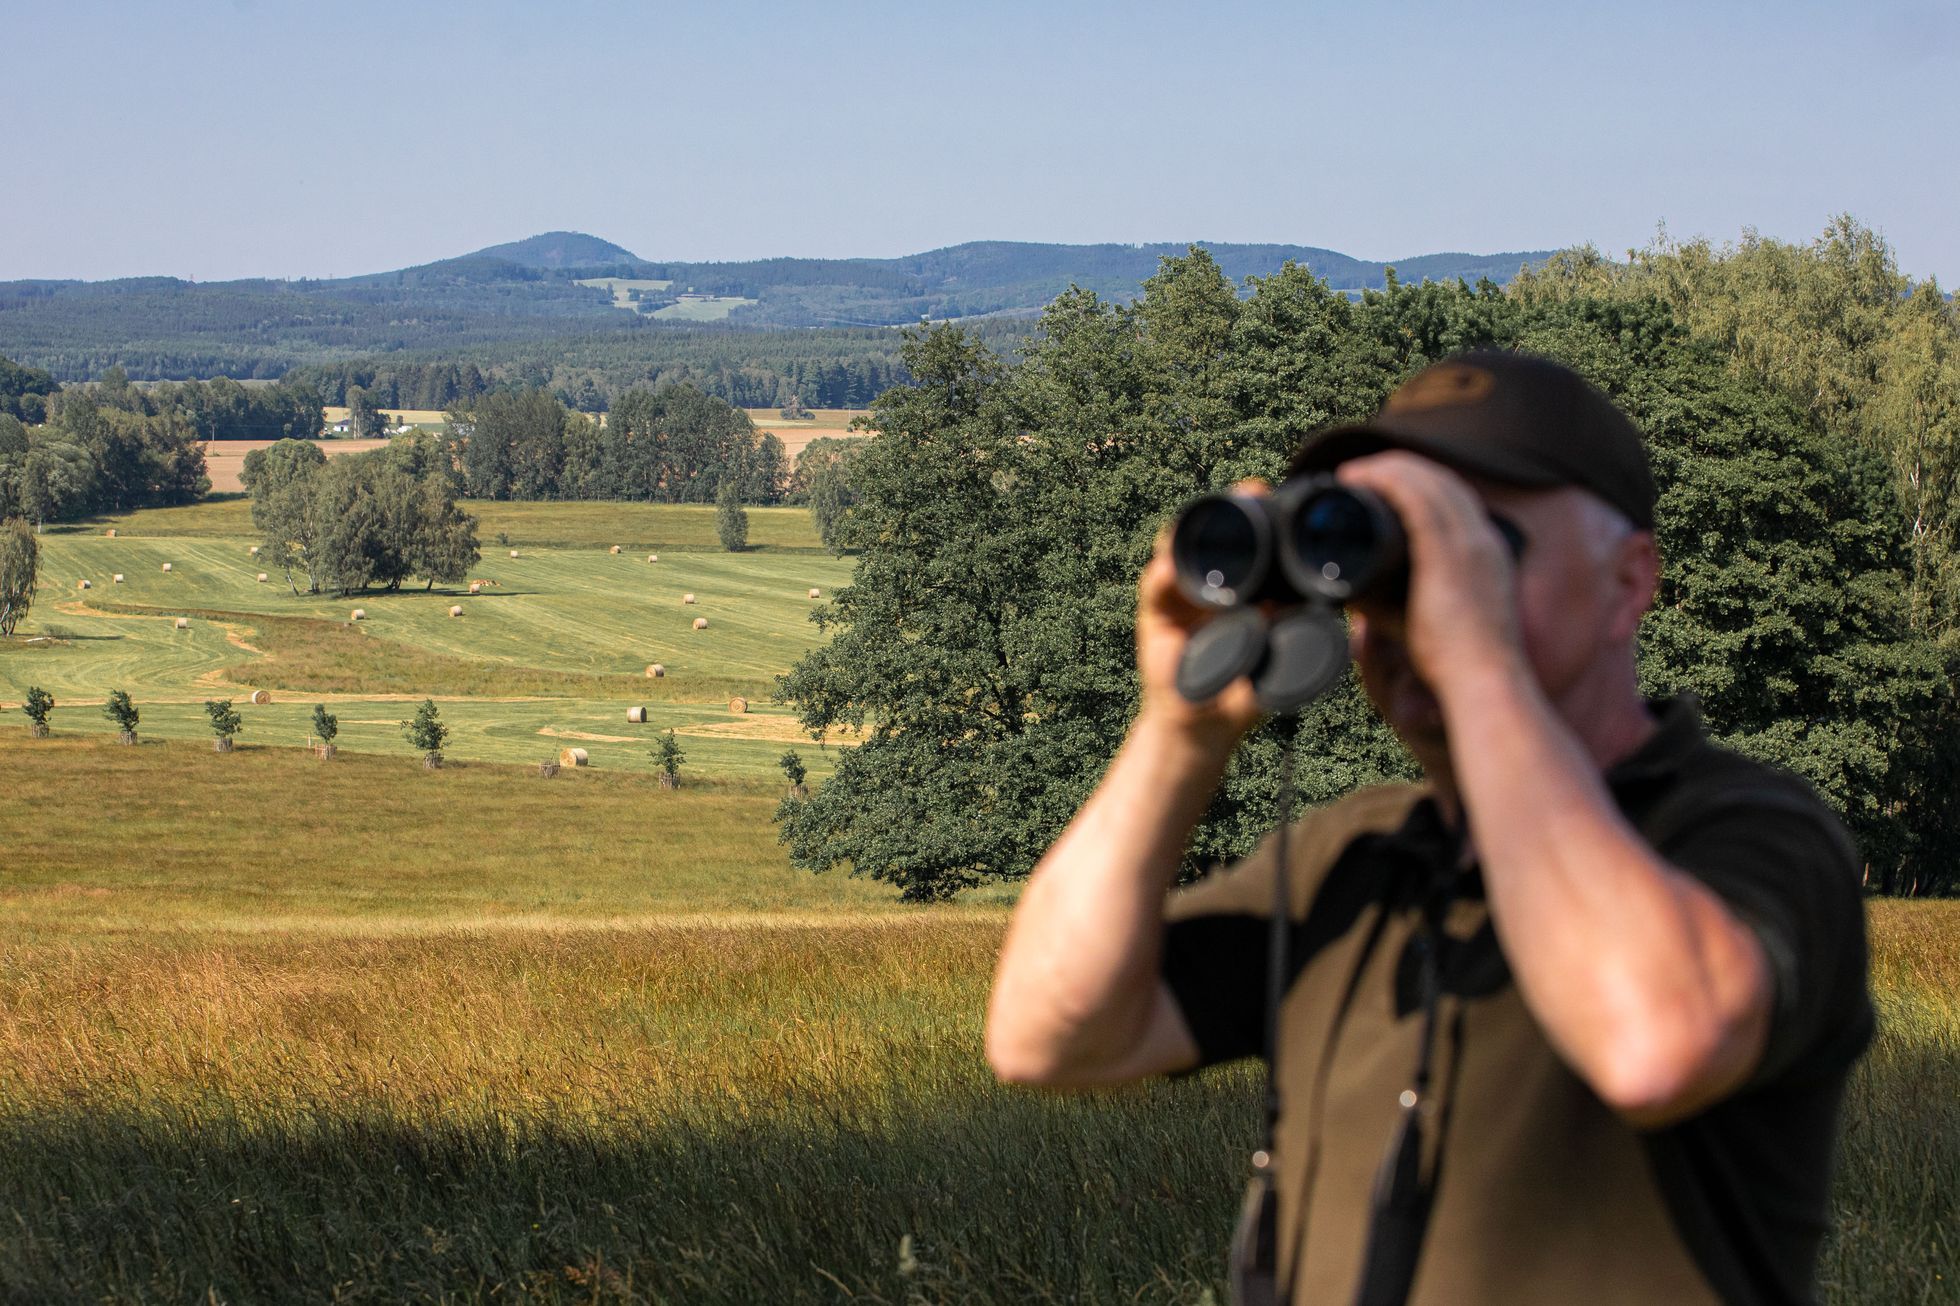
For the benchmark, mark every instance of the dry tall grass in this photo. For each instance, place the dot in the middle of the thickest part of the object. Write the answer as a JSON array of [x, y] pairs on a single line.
[[364, 1033]]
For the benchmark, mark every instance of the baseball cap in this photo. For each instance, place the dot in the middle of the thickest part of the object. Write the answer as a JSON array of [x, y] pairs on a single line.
[[1507, 417]]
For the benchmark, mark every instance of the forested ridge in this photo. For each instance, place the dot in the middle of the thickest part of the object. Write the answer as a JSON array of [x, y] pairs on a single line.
[[496, 302], [1802, 404]]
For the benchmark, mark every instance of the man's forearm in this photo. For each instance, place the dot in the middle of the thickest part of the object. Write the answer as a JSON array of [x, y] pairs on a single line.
[[1639, 974], [1078, 981]]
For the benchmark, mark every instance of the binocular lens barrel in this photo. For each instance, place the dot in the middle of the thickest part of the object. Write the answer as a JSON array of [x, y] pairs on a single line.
[[1222, 546], [1310, 538]]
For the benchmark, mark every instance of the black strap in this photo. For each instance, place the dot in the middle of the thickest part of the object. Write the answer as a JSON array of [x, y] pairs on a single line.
[[1403, 1195], [1254, 1265]]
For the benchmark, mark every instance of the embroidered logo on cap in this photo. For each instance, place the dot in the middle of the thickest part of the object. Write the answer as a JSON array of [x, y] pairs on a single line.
[[1446, 385]]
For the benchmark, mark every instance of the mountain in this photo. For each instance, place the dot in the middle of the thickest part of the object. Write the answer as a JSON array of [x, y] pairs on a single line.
[[558, 249], [566, 284]]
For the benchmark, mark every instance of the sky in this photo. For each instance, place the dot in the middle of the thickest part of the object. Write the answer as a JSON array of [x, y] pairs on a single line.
[[215, 139]]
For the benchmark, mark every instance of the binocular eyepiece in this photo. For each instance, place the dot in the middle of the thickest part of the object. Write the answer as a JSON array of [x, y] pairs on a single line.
[[1310, 539]]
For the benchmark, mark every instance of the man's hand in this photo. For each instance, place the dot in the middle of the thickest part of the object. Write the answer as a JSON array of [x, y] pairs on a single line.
[[1461, 614], [1166, 620]]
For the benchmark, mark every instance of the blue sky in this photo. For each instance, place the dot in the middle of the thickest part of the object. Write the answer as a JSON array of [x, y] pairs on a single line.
[[251, 137]]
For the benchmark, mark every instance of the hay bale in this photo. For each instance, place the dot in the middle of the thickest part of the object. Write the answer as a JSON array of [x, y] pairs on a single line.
[[81, 584], [738, 705], [455, 609], [655, 671], [700, 623], [815, 593], [166, 566], [637, 715], [687, 598], [260, 698], [183, 623], [572, 757], [513, 553], [653, 557], [261, 578], [111, 532], [255, 550], [614, 549], [359, 614], [118, 578], [476, 586]]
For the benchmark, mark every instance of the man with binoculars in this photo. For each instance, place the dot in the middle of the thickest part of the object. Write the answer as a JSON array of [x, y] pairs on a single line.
[[1570, 1020]]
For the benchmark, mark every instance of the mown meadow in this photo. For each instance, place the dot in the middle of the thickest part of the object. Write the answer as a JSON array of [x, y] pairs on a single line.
[[276, 1028], [550, 654]]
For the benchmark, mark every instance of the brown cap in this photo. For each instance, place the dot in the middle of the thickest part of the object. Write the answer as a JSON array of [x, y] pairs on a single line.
[[1506, 417]]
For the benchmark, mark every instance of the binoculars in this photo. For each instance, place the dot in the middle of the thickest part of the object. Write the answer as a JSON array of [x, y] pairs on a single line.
[[1302, 551], [1310, 539]]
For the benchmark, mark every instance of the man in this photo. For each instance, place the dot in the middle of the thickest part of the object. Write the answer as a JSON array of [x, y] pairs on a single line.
[[1648, 953]]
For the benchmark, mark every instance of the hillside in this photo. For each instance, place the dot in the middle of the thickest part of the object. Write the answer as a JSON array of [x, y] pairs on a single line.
[[504, 299]]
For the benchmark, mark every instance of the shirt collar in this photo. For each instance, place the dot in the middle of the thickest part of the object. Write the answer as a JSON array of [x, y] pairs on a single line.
[[1677, 734]]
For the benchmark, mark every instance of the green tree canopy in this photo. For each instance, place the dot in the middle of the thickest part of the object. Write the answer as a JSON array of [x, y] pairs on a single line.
[[984, 647]]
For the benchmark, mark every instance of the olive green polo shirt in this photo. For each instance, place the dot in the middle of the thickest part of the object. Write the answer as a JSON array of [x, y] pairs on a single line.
[[1541, 1193]]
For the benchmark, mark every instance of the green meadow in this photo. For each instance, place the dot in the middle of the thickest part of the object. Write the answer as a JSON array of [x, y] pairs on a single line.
[[279, 1028], [550, 653]]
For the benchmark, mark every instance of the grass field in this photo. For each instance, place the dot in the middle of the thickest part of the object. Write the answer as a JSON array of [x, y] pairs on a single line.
[[643, 527], [282, 1031], [549, 656]]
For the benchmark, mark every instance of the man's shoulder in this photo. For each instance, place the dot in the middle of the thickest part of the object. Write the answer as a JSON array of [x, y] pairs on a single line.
[[1718, 784]]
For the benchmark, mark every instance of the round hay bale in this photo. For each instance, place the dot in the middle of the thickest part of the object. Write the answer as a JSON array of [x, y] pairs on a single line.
[[700, 623], [687, 598], [255, 550], [455, 609], [81, 585], [476, 587], [183, 623], [572, 757], [111, 532], [166, 566], [513, 553], [653, 557], [614, 549], [118, 578], [815, 593], [359, 614], [261, 578], [260, 698], [655, 671], [738, 705], [637, 715]]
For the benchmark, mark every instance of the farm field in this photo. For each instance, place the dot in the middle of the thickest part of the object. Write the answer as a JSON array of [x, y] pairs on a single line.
[[827, 423], [224, 460], [583, 1040], [548, 656], [411, 416]]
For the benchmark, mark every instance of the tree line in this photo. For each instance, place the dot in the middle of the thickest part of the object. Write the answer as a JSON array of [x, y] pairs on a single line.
[[1802, 406], [673, 445], [91, 457]]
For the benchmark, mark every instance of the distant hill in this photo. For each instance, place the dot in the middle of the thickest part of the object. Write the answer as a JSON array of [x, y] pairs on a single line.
[[558, 249], [564, 284]]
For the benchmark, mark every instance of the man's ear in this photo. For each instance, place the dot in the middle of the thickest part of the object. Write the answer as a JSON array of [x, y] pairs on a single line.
[[1636, 581]]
